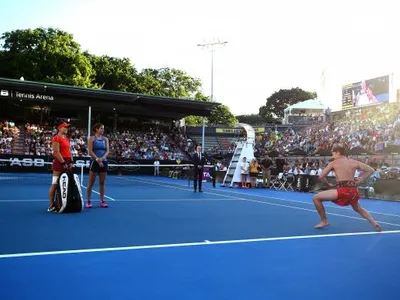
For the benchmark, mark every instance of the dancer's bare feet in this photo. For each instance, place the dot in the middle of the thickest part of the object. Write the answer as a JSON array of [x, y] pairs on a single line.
[[377, 228], [322, 224]]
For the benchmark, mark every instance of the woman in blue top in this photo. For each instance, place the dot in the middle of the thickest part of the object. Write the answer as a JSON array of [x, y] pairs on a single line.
[[99, 148]]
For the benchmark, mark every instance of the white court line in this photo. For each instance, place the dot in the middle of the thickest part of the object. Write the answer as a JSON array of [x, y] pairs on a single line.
[[177, 188], [270, 203], [23, 200], [205, 199], [277, 198], [129, 200], [174, 200], [93, 191], [312, 210], [193, 244], [309, 203]]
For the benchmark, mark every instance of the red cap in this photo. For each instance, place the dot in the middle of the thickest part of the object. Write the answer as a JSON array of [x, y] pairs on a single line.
[[63, 125]]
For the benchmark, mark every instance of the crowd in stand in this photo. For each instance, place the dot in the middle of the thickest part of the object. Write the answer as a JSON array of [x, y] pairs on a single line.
[[8, 132], [148, 142], [231, 148], [143, 142], [313, 166], [372, 131], [38, 140]]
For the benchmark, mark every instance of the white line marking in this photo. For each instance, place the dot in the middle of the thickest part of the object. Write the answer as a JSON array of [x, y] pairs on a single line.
[[105, 196], [282, 199], [129, 200], [207, 241], [287, 200], [267, 203], [174, 200], [301, 237], [177, 188], [311, 210], [309, 203], [24, 200]]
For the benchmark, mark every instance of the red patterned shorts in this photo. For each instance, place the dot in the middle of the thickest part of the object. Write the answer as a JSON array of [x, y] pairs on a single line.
[[347, 194]]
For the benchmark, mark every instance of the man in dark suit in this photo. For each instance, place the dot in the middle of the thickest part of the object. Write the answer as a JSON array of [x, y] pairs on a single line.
[[198, 160]]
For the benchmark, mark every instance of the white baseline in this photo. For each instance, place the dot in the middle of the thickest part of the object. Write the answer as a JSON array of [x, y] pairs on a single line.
[[204, 243]]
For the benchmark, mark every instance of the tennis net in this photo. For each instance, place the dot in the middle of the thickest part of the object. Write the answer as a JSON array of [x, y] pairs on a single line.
[[30, 172]]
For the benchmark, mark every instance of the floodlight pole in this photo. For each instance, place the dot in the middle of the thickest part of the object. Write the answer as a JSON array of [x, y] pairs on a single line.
[[212, 44], [89, 121]]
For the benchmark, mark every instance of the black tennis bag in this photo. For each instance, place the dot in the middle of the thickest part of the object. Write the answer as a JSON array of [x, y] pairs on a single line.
[[69, 193]]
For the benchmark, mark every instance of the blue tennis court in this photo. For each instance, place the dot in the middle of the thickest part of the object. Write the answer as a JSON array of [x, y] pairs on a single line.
[[160, 240]]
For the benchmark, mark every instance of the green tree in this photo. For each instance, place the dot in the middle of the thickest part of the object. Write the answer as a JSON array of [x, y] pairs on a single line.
[[148, 84], [221, 115], [194, 121], [52, 55], [252, 119], [168, 82], [273, 110], [116, 74], [42, 54]]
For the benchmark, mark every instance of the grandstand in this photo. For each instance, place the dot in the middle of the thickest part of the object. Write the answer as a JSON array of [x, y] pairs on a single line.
[[369, 131], [9, 136], [370, 134], [139, 127], [211, 143], [217, 144]]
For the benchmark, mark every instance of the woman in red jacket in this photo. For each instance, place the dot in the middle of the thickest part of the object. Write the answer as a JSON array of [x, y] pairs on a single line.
[[62, 160]]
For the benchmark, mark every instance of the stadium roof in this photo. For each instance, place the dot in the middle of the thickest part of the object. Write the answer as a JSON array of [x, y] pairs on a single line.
[[58, 96]]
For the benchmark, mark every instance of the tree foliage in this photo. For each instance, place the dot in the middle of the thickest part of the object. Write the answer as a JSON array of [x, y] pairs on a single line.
[[252, 119], [221, 115], [168, 82], [45, 55], [194, 121], [273, 110], [52, 55], [112, 73]]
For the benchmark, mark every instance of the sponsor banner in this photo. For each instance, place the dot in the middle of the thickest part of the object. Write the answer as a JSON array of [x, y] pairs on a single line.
[[27, 163], [24, 162], [5, 93], [24, 95], [229, 130], [31, 96], [237, 130]]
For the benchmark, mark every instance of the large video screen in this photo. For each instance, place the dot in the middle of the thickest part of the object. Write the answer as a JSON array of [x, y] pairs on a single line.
[[366, 92]]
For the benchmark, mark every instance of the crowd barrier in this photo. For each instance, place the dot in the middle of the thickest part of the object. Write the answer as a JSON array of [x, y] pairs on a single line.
[[387, 188], [40, 164]]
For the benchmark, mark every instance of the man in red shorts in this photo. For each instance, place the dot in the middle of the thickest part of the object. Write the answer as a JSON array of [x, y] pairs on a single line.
[[346, 192], [62, 160]]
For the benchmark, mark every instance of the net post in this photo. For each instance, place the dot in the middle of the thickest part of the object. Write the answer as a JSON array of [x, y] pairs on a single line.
[[89, 121], [82, 175]]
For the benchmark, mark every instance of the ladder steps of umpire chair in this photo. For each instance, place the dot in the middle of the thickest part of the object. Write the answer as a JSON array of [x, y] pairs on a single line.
[[232, 165]]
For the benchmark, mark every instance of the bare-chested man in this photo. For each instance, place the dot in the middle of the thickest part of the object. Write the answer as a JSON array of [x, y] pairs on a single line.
[[346, 192]]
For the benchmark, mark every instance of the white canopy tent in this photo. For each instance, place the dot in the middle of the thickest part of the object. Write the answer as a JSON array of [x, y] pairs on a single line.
[[306, 108]]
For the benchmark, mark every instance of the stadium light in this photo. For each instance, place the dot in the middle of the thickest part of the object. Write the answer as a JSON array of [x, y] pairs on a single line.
[[210, 45]]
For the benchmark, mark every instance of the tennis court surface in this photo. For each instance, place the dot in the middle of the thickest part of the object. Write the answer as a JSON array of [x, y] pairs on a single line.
[[160, 240]]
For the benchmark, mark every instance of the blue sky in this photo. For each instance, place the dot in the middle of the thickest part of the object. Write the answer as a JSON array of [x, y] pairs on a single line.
[[271, 44]]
